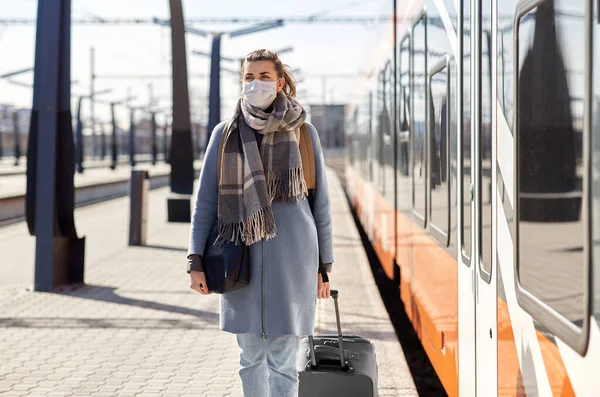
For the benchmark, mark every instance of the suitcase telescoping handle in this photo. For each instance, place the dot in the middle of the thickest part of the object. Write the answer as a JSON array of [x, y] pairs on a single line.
[[313, 358]]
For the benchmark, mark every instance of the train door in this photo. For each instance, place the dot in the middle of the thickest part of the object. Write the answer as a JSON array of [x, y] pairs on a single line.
[[484, 179], [476, 278], [467, 375]]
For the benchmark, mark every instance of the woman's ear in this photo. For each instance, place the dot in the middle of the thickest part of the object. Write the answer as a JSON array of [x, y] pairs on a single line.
[[280, 84]]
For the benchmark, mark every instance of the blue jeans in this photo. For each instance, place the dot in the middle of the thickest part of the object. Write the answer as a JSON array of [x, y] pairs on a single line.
[[268, 366]]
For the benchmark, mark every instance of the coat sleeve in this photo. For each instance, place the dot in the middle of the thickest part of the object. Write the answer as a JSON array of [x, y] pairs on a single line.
[[322, 204], [206, 203]]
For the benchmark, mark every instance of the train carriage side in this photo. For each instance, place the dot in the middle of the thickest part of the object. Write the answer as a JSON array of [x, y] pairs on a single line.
[[402, 176], [454, 153], [547, 126]]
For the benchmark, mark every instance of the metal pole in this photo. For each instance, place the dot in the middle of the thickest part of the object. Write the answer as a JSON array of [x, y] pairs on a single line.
[[49, 22], [103, 148], [151, 91], [138, 207], [102, 142], [182, 162], [197, 147], [132, 138], [50, 189], [32, 136], [194, 141], [154, 148], [166, 142], [17, 137], [79, 155], [92, 115], [214, 99], [113, 142]]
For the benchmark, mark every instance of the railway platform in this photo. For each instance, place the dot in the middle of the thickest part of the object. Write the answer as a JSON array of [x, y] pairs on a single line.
[[136, 329], [8, 167], [94, 185]]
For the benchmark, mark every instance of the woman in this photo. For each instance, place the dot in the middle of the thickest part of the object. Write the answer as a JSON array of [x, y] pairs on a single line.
[[265, 206]]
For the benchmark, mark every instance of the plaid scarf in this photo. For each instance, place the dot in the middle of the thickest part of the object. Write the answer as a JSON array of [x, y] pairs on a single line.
[[248, 185]]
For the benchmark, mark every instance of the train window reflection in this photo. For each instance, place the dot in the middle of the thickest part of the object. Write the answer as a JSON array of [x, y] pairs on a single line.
[[388, 132], [439, 150], [596, 199], [380, 105], [485, 149], [595, 181], [403, 106], [386, 125], [550, 168], [466, 132], [419, 117]]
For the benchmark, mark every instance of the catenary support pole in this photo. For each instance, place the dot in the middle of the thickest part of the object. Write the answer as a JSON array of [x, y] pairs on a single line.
[[214, 97], [59, 257], [180, 154]]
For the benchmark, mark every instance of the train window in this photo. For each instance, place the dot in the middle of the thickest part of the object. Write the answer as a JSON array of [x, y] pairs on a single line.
[[551, 175], [439, 140], [485, 144], [369, 139], [380, 130], [419, 116], [595, 180], [403, 106], [385, 138], [352, 135], [388, 103], [465, 117], [388, 132], [363, 146], [595, 213]]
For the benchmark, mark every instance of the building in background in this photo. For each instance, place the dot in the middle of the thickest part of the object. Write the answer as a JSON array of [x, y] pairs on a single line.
[[329, 120]]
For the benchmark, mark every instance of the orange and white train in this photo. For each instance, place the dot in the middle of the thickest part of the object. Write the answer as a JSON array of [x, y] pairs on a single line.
[[473, 163]]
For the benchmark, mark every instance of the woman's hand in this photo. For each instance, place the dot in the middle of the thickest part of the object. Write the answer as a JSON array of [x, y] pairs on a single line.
[[323, 291], [198, 282]]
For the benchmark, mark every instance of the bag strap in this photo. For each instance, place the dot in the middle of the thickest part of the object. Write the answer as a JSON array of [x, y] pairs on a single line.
[[308, 158], [306, 153]]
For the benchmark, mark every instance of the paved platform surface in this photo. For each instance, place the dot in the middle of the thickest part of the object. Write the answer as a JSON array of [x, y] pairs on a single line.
[[136, 329]]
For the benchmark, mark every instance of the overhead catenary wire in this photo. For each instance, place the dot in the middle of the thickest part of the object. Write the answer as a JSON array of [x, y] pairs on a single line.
[[212, 20], [366, 20]]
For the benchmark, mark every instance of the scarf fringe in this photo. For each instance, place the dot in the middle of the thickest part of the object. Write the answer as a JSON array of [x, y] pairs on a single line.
[[286, 187], [260, 225]]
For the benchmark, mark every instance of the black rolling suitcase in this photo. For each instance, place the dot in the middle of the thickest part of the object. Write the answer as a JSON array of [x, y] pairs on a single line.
[[336, 365]]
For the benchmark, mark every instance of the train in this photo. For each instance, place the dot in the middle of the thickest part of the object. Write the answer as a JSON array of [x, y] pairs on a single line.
[[473, 167]]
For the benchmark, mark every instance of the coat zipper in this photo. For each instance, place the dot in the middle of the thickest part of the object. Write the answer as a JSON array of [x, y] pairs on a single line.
[[262, 289]]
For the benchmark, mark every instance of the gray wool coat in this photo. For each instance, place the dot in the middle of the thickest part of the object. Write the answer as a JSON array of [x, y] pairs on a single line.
[[282, 295]]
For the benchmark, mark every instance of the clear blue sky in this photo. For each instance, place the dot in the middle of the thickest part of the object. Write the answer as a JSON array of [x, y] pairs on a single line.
[[144, 49]]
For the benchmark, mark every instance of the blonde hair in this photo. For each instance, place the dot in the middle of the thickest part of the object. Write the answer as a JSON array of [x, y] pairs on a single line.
[[289, 88]]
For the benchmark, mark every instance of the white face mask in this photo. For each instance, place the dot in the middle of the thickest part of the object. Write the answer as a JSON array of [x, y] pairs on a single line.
[[260, 93]]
